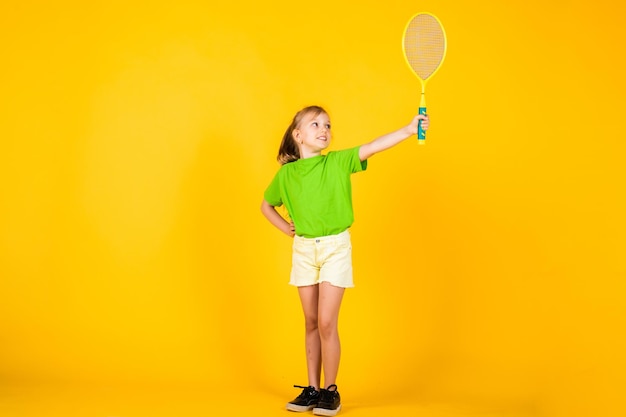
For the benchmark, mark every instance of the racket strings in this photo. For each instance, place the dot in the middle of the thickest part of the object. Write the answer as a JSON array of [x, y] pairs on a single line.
[[424, 45]]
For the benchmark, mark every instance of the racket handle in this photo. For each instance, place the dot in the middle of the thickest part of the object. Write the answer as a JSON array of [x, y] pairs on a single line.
[[421, 133]]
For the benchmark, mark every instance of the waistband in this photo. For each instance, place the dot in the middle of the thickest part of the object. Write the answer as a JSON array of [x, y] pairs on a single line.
[[330, 238]]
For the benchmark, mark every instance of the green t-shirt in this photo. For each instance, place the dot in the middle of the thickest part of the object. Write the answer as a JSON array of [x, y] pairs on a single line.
[[317, 192]]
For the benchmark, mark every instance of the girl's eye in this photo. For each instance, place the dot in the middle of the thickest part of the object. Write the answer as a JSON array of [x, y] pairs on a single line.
[[314, 124], [328, 126]]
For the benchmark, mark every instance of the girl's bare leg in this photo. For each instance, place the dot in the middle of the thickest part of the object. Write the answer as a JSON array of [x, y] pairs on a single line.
[[309, 297], [327, 319]]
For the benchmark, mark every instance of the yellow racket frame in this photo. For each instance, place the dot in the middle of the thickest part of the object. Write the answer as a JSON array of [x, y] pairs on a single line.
[[421, 134]]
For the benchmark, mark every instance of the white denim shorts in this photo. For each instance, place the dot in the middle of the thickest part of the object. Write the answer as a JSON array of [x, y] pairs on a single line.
[[322, 259]]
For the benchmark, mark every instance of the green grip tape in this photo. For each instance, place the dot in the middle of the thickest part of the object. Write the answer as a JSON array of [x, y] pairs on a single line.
[[421, 133]]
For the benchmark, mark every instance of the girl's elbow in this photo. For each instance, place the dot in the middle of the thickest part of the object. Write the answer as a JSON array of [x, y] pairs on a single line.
[[266, 207]]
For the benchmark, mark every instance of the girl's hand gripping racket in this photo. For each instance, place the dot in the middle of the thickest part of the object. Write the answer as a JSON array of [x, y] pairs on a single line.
[[424, 44]]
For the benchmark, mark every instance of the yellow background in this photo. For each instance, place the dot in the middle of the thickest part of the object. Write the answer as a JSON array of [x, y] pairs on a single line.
[[138, 277]]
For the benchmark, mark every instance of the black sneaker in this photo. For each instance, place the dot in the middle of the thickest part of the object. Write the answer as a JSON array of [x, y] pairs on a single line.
[[329, 403], [307, 400]]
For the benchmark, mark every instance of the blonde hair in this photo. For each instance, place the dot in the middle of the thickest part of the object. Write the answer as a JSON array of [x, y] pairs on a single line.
[[289, 151]]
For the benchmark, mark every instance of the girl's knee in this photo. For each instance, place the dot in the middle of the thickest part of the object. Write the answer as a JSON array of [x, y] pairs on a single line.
[[311, 323], [327, 327]]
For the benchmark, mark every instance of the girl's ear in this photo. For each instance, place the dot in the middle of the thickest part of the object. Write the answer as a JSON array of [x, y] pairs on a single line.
[[296, 134]]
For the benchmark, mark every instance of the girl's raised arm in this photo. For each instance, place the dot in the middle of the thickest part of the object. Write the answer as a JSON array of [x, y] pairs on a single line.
[[392, 139]]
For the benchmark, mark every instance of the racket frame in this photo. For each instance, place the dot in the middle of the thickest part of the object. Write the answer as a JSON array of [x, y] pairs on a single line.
[[421, 133]]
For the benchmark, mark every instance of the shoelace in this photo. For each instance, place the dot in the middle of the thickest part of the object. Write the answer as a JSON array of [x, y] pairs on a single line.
[[328, 396], [306, 391]]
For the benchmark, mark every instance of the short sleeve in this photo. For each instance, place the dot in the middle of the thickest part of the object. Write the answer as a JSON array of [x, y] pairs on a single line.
[[357, 164], [349, 160], [272, 193]]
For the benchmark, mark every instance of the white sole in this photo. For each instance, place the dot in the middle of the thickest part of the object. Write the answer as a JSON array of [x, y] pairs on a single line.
[[325, 412], [299, 408]]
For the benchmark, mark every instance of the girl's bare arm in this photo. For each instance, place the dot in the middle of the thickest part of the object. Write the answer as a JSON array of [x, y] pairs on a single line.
[[392, 139], [276, 219]]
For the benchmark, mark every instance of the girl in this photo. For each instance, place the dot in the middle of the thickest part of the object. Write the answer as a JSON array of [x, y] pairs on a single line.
[[317, 194]]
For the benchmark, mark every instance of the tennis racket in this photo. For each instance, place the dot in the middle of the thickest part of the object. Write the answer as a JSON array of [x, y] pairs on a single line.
[[424, 45]]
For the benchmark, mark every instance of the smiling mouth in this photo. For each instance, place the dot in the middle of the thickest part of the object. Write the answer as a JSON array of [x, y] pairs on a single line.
[[322, 138]]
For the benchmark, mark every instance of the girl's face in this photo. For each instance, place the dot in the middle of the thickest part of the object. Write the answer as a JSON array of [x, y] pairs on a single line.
[[313, 134]]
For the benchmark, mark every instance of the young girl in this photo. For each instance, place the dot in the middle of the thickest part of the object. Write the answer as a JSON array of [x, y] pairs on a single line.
[[317, 194]]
